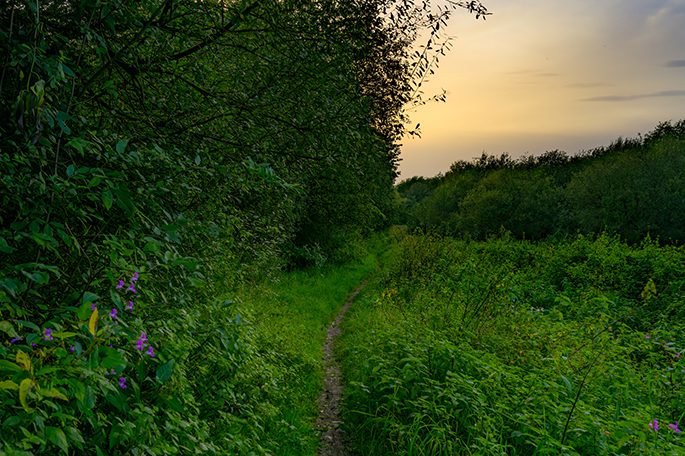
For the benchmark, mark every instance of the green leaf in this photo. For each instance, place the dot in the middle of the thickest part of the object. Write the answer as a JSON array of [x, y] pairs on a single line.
[[165, 370], [9, 366], [107, 199], [37, 276], [198, 160], [84, 311], [56, 436], [28, 325], [11, 421], [8, 328], [88, 401], [70, 170], [74, 436], [112, 361], [568, 384], [121, 146]]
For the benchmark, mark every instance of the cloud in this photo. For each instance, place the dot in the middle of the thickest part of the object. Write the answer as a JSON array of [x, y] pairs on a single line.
[[665, 93], [587, 85], [675, 64]]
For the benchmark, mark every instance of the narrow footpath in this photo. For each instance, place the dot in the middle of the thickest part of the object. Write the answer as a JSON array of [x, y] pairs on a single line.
[[333, 439]]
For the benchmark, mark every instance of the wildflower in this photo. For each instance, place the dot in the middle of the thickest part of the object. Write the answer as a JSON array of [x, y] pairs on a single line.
[[120, 285], [92, 307], [47, 334], [72, 348], [13, 340], [113, 314], [122, 382], [131, 289], [675, 427], [33, 344], [140, 342], [149, 352], [654, 425], [130, 305], [647, 336], [134, 279]]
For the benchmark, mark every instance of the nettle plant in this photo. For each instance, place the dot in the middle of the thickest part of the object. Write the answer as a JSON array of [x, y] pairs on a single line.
[[88, 379]]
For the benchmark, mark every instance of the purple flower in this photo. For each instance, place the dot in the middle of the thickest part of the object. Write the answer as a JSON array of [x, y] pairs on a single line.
[[122, 382], [92, 307], [135, 277], [646, 336], [654, 425], [675, 427], [120, 285], [72, 348], [33, 344], [13, 340], [47, 334], [140, 343], [149, 352], [131, 289], [113, 314], [130, 305]]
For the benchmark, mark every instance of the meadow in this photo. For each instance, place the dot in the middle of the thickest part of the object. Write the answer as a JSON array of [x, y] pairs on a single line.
[[512, 347]]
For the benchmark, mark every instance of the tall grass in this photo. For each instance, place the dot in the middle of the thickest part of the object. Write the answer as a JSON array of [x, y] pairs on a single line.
[[519, 348]]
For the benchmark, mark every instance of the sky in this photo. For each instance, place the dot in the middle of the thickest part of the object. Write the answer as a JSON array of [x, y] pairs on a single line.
[[541, 75]]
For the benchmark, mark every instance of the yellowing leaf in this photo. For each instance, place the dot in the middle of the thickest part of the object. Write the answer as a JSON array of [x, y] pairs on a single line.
[[24, 392], [92, 325], [8, 385], [23, 360], [55, 394]]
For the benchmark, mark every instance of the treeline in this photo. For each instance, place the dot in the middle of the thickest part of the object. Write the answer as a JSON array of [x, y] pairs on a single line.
[[633, 187]]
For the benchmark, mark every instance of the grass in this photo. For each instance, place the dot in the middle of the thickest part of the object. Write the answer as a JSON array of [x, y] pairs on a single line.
[[288, 318]]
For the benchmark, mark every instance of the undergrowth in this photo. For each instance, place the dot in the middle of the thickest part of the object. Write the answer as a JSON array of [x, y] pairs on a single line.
[[510, 347]]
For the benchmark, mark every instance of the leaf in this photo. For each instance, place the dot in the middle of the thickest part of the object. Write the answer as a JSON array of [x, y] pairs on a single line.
[[107, 199], [568, 384], [23, 360], [93, 323], [70, 170], [88, 401], [89, 297], [8, 328], [9, 366], [55, 394], [8, 385], [121, 146], [56, 436], [28, 325], [24, 391], [198, 160], [165, 370], [113, 360], [83, 311]]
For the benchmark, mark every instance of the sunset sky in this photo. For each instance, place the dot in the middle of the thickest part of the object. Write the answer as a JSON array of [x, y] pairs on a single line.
[[543, 75]]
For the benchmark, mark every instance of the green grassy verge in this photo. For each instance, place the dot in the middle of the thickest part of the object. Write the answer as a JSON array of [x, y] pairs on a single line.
[[286, 321], [519, 348]]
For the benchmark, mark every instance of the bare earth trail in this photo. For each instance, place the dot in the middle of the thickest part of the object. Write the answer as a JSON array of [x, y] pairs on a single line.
[[332, 437]]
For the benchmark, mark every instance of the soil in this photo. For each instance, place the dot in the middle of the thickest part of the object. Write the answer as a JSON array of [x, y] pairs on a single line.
[[333, 438]]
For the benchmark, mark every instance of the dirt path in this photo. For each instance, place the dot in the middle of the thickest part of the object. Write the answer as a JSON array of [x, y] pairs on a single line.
[[332, 437]]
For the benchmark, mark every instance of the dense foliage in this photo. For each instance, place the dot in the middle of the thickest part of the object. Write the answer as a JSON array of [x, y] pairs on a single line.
[[633, 188], [512, 347], [156, 155]]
